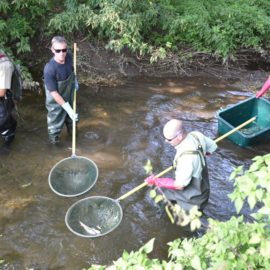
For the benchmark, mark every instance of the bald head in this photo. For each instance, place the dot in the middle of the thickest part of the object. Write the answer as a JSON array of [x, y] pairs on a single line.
[[173, 128]]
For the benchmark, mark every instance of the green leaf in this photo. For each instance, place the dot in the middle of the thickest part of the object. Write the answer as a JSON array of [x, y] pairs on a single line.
[[158, 198], [195, 224], [238, 204], [148, 167], [265, 248], [196, 263], [255, 239], [252, 200], [148, 247], [152, 193]]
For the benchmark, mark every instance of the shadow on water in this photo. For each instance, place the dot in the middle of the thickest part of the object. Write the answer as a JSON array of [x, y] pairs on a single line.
[[119, 130]]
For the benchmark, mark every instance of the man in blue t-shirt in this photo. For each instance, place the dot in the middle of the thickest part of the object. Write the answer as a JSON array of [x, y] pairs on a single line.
[[60, 81]]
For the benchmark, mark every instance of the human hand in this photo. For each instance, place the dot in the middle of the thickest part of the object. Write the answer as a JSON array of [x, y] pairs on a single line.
[[264, 89], [74, 116], [150, 180], [259, 94], [160, 182]]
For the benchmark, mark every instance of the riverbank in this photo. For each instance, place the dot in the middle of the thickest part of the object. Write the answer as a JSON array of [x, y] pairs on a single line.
[[98, 67]]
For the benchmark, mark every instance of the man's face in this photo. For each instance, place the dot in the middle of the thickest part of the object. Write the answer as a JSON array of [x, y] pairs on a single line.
[[173, 138], [60, 51]]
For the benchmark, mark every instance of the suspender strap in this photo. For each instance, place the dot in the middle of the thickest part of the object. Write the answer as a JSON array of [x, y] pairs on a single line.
[[199, 152]]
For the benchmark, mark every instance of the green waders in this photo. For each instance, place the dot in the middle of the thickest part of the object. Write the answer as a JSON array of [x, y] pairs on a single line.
[[57, 116], [198, 190]]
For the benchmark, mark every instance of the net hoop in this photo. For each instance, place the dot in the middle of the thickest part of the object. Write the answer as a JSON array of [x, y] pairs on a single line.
[[80, 185], [89, 228]]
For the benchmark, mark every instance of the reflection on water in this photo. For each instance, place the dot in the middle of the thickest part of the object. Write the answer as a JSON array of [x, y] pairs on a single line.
[[119, 129]]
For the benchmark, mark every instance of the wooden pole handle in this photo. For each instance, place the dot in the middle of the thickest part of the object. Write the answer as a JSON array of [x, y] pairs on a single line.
[[74, 103]]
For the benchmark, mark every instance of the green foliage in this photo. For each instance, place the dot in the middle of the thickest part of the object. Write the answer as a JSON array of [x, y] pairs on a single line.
[[148, 167], [254, 185], [219, 27], [156, 28], [234, 244], [20, 20], [231, 245]]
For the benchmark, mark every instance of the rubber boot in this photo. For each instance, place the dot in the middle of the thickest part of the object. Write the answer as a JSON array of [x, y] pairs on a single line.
[[10, 134], [54, 139]]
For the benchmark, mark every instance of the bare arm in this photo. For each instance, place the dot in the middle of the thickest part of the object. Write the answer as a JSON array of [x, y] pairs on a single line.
[[178, 186], [57, 97], [2, 92]]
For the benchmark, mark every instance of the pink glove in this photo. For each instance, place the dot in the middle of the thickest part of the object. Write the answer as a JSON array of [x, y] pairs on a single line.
[[264, 89], [150, 180], [160, 182]]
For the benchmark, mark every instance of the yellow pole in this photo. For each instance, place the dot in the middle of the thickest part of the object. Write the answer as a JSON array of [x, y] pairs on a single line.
[[74, 103], [235, 129], [171, 167]]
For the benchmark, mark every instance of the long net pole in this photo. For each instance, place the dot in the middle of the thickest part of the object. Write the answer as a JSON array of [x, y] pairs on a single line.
[[74, 103]]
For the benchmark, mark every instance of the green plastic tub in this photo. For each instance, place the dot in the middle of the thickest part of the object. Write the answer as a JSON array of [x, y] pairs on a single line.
[[239, 113]]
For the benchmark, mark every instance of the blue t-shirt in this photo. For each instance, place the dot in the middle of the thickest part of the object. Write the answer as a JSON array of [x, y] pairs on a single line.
[[55, 72]]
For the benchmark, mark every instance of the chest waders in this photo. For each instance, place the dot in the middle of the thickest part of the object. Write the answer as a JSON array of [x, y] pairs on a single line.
[[197, 191], [8, 123], [57, 116]]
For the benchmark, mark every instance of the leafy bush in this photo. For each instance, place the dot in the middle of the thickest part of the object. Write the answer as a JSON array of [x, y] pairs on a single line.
[[219, 27], [20, 20], [155, 28]]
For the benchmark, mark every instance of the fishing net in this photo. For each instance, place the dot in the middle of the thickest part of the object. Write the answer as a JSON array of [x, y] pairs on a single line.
[[94, 216], [73, 176]]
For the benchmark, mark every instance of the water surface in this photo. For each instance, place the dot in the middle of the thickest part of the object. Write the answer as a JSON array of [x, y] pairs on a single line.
[[119, 129]]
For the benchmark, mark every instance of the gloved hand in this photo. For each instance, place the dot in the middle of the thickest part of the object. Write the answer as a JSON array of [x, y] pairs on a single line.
[[160, 182], [150, 180], [69, 110], [264, 89], [76, 84]]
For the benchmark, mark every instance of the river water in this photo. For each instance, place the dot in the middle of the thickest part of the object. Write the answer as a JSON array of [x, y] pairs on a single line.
[[120, 129]]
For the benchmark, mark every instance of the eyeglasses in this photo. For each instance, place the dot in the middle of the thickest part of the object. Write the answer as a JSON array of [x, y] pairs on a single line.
[[60, 50], [169, 140]]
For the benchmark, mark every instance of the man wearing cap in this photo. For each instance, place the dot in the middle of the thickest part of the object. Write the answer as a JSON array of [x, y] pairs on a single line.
[[191, 184], [8, 122], [60, 83]]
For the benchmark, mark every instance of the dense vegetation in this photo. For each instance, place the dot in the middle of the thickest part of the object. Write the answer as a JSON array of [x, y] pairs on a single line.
[[220, 28], [234, 244], [158, 29]]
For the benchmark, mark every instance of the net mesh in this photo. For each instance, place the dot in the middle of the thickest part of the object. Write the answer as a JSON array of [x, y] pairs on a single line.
[[73, 176], [94, 216]]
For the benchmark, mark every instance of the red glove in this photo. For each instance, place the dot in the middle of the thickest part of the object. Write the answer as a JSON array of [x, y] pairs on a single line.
[[264, 89], [160, 182]]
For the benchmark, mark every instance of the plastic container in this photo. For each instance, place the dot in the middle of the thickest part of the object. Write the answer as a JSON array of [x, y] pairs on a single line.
[[237, 114]]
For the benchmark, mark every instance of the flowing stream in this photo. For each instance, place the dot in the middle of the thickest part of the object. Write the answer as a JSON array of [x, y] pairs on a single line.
[[120, 129]]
